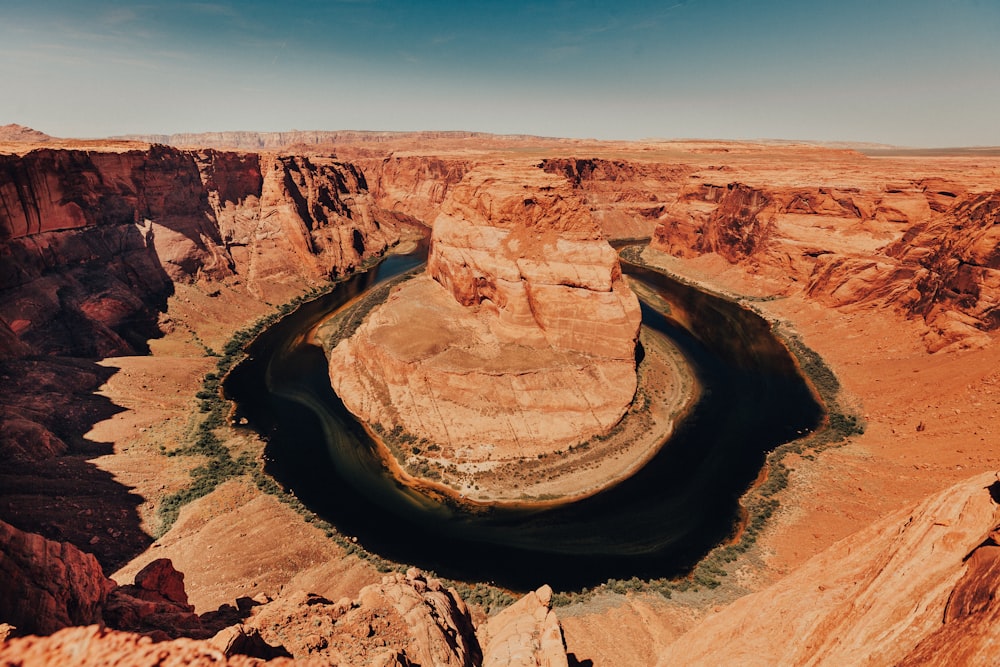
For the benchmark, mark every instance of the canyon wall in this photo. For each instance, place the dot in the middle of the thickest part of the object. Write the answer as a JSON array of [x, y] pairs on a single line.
[[92, 242], [926, 248], [414, 185], [626, 198]]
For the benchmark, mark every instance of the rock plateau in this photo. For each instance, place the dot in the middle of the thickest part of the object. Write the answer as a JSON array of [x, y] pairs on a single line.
[[519, 340]]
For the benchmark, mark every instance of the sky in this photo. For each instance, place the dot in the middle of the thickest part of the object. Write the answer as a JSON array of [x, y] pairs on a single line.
[[904, 72]]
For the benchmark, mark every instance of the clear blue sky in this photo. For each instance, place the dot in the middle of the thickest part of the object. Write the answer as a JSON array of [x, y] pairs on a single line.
[[906, 72]]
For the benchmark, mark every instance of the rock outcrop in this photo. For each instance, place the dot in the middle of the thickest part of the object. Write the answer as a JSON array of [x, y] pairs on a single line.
[[96, 646], [874, 598], [155, 604], [525, 634], [627, 198], [403, 620], [46, 586], [519, 340], [416, 185], [92, 242], [927, 248]]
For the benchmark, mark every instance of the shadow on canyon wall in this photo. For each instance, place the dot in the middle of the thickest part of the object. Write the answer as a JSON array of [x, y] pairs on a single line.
[[92, 244], [49, 483]]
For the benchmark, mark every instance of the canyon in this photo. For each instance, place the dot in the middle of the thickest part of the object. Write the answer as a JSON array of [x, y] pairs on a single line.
[[127, 266]]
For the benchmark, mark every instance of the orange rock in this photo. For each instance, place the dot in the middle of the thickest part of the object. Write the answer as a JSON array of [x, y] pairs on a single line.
[[867, 600], [519, 340], [46, 586]]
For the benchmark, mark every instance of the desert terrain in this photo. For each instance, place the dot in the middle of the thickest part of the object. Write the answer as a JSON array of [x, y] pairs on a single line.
[[134, 270]]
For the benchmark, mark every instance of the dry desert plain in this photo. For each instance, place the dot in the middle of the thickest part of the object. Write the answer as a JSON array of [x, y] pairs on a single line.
[[129, 264]]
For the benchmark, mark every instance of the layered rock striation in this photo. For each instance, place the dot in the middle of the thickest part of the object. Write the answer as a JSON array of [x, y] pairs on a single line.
[[917, 587], [92, 242], [518, 341], [926, 248]]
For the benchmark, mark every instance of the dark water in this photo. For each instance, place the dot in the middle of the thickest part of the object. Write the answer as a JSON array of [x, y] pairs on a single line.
[[657, 523]]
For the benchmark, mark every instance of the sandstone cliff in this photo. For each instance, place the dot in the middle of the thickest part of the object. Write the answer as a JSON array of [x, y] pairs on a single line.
[[925, 248], [518, 341], [92, 242], [415, 185], [902, 588], [627, 198]]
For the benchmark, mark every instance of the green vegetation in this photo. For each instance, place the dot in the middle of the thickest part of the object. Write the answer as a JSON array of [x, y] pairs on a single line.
[[204, 435]]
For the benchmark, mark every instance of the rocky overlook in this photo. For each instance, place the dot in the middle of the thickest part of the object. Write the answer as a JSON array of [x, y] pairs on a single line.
[[518, 341]]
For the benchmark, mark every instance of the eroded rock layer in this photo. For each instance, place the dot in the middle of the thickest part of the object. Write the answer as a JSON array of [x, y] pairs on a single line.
[[49, 587], [903, 587], [925, 247], [520, 338], [92, 242]]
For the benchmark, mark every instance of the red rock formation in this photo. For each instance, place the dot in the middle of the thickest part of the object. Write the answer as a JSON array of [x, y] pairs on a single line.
[[416, 186], [968, 633], [525, 634], [519, 341], [873, 597], [409, 619], [96, 646], [927, 248], [93, 241], [155, 603], [46, 586], [627, 198], [403, 621], [15, 133]]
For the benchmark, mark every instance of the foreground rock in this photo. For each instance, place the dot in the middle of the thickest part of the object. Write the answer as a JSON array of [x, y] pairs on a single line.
[[893, 592], [46, 586], [403, 620], [517, 343], [49, 587], [525, 634]]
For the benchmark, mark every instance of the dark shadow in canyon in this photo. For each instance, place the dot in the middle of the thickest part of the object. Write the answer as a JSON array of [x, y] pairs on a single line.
[[63, 495]]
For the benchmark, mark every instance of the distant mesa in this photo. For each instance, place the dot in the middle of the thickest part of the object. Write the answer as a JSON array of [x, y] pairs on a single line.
[[19, 133], [305, 140]]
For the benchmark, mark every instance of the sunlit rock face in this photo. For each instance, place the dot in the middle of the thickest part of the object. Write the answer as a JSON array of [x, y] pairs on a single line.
[[519, 339]]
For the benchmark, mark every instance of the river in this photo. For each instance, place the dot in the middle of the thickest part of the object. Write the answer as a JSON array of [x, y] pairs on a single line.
[[657, 523]]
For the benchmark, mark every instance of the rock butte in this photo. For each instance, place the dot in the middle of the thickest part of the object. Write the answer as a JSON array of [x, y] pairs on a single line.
[[884, 550], [518, 341]]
